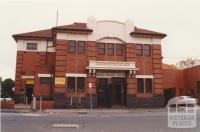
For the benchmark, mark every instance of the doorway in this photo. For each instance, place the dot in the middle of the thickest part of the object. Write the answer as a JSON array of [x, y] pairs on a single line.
[[169, 93], [103, 92], [29, 93], [111, 94], [118, 92]]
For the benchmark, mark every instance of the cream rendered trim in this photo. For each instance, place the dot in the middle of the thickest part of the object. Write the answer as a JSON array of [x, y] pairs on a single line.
[[109, 29], [111, 40], [27, 76], [68, 36], [144, 76], [42, 45], [44, 75], [76, 75]]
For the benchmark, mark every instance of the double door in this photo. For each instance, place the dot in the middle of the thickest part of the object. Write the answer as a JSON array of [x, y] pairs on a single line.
[[111, 92]]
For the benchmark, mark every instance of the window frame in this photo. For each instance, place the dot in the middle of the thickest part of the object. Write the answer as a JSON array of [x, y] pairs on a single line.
[[79, 47], [77, 84], [151, 85], [70, 46], [142, 89], [46, 82], [100, 48], [68, 83], [147, 50], [110, 48], [30, 46], [121, 49], [141, 50]]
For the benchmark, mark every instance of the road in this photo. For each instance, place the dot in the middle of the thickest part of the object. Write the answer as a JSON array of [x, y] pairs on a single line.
[[90, 122]]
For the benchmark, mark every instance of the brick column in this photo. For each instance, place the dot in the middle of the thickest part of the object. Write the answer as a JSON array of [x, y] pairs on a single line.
[[131, 81], [91, 55], [18, 93], [60, 70], [158, 75]]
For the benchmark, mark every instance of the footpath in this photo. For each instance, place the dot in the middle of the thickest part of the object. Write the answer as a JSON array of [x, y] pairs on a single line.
[[27, 109]]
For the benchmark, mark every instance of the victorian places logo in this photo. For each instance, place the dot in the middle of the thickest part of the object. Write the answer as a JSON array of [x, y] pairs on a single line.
[[182, 117]]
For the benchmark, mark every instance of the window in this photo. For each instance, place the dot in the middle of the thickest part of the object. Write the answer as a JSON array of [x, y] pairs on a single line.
[[140, 85], [81, 47], [147, 50], [138, 49], [110, 49], [71, 84], [102, 85], [198, 87], [80, 84], [101, 48], [72, 46], [148, 83], [119, 49], [75, 84], [31, 46], [45, 80]]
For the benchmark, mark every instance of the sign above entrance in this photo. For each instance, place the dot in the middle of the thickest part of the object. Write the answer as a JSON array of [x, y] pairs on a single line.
[[109, 75], [111, 65]]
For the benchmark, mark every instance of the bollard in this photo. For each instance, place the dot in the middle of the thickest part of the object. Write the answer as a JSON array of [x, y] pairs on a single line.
[[34, 103], [40, 103]]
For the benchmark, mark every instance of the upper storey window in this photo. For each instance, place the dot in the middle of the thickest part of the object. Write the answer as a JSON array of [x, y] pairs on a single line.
[[139, 50], [31, 46], [81, 46], [143, 50], [147, 50], [119, 49], [101, 48], [72, 46], [110, 49]]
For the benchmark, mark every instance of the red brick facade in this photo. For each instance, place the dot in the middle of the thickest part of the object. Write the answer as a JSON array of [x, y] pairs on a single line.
[[182, 82], [33, 66]]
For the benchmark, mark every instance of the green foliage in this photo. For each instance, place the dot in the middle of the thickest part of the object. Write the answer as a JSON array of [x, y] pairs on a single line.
[[6, 88]]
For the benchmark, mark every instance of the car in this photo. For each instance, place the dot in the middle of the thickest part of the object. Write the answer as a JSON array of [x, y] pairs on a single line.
[[182, 100]]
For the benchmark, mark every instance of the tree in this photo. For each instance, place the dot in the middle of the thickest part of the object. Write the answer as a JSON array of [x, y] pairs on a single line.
[[7, 88], [189, 62]]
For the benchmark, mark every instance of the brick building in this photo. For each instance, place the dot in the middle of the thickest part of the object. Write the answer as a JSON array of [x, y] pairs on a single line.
[[121, 62], [179, 82]]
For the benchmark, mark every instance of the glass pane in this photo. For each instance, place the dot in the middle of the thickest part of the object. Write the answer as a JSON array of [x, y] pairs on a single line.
[[139, 50], [140, 85], [31, 46], [119, 49], [72, 46], [80, 84], [45, 80], [147, 50], [110, 49], [81, 46], [148, 85], [101, 48], [71, 84]]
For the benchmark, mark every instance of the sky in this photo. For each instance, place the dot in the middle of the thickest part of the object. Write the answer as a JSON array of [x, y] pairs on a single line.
[[179, 19]]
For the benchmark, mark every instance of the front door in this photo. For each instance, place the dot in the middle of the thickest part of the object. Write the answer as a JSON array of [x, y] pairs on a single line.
[[29, 93], [118, 91], [103, 92]]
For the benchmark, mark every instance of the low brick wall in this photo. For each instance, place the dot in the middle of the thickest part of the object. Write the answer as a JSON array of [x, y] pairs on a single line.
[[45, 105], [7, 104]]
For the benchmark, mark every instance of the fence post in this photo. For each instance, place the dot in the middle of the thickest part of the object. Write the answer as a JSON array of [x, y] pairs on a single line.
[[40, 103]]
